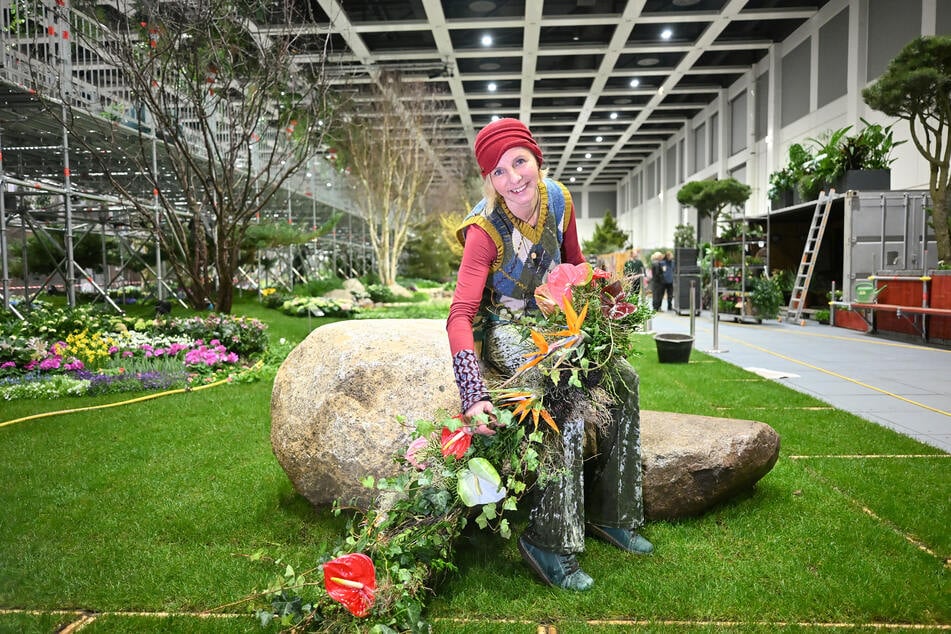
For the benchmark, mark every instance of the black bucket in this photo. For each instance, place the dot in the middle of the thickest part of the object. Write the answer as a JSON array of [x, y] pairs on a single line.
[[673, 347]]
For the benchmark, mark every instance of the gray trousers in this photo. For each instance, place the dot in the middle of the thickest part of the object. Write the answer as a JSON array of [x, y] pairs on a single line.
[[604, 488]]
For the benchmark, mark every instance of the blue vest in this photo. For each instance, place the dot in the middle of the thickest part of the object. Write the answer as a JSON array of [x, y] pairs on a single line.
[[525, 254]]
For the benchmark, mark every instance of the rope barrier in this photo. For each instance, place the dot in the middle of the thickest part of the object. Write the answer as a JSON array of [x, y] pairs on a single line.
[[139, 399]]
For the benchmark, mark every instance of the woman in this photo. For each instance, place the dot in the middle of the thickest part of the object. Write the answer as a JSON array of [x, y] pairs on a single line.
[[520, 231]]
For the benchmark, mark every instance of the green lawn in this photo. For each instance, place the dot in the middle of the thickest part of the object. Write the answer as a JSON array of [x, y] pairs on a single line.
[[147, 514]]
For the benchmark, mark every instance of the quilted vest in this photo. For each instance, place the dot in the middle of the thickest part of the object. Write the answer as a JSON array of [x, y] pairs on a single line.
[[525, 254]]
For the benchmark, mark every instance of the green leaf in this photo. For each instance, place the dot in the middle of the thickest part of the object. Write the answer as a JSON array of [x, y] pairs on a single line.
[[368, 482]]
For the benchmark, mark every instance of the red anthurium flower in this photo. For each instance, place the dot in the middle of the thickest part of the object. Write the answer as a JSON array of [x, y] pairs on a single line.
[[620, 310], [455, 443], [351, 581], [600, 274]]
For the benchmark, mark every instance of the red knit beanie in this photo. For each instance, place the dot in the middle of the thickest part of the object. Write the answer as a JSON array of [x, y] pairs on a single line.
[[498, 137]]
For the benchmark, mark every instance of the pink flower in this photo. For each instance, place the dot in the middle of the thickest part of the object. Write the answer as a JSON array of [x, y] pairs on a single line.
[[565, 276], [414, 448], [51, 363], [7, 364]]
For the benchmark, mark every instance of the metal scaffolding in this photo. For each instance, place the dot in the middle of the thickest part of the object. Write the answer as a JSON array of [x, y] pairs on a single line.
[[49, 191]]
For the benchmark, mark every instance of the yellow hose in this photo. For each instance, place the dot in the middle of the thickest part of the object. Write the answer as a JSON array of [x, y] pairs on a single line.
[[118, 403]]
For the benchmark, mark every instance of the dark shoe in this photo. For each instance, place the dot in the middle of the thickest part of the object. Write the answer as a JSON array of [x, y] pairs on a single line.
[[623, 538], [560, 571]]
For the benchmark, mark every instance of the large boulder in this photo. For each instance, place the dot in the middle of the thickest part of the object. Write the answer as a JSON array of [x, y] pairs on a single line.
[[337, 396], [693, 462]]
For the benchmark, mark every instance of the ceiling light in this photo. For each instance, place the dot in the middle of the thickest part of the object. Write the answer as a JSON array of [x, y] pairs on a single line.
[[487, 40], [490, 66], [635, 83], [599, 138], [648, 61], [613, 115], [587, 155], [484, 6], [495, 117], [492, 86], [579, 169], [572, 179], [666, 34]]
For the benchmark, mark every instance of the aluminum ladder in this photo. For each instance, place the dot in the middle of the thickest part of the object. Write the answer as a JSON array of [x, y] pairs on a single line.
[[807, 265]]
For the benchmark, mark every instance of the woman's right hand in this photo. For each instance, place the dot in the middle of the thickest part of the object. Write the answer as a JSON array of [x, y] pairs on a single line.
[[481, 407]]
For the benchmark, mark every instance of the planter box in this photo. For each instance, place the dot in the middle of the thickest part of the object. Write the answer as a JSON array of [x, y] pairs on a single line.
[[940, 327], [865, 180], [848, 319], [673, 347], [786, 198]]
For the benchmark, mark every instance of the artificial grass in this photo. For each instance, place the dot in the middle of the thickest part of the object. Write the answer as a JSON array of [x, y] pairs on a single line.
[[158, 506]]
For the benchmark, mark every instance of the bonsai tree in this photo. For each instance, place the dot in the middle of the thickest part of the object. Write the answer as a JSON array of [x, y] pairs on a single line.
[[607, 237], [711, 197], [916, 87]]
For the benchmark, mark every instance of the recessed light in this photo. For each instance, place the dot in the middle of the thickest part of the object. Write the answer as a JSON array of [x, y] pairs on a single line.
[[484, 6], [666, 34], [491, 86], [579, 169], [490, 66], [635, 83], [648, 61], [486, 40], [587, 155], [613, 115], [599, 138]]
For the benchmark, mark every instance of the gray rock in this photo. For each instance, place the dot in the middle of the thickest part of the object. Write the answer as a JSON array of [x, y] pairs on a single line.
[[692, 462], [337, 395], [336, 398]]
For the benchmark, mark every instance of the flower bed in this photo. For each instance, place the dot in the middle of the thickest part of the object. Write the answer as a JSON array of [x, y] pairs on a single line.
[[59, 351]]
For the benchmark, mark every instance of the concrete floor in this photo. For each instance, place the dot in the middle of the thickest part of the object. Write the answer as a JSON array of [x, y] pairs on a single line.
[[902, 386]]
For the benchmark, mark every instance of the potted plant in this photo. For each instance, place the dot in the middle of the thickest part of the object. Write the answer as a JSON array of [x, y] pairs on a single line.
[[865, 159], [820, 172], [783, 183], [915, 87], [766, 297]]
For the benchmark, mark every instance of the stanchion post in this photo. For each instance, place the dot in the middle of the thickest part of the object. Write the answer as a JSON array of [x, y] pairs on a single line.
[[693, 309]]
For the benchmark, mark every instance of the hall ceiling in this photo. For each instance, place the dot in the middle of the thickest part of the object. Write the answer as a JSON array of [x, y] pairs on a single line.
[[599, 81]]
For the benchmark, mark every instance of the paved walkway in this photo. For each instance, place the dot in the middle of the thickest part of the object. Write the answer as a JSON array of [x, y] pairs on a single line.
[[903, 386]]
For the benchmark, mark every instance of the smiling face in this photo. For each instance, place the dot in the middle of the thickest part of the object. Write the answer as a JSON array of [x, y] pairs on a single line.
[[515, 178]]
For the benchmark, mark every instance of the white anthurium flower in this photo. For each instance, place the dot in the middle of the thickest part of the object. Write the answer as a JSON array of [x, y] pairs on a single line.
[[479, 483]]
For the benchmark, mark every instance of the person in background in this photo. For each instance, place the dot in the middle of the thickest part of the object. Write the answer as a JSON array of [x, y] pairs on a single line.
[[512, 239], [669, 279], [634, 268], [657, 280]]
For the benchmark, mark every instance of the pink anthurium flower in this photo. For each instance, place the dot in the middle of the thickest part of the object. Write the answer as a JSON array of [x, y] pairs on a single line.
[[545, 301], [455, 443], [414, 448], [351, 581], [564, 276]]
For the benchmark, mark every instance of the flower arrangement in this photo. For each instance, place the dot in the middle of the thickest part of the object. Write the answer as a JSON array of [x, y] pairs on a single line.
[[457, 471]]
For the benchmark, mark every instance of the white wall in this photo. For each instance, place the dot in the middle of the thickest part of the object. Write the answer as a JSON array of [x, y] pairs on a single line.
[[651, 220]]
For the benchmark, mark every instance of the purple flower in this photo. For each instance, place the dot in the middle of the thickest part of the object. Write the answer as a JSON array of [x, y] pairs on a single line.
[[7, 364]]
